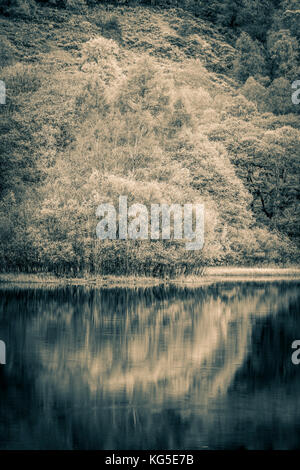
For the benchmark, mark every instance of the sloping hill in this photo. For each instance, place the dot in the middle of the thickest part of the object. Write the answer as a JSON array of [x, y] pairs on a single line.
[[140, 102]]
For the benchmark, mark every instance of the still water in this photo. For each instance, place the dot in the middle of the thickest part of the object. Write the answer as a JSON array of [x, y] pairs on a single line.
[[150, 368]]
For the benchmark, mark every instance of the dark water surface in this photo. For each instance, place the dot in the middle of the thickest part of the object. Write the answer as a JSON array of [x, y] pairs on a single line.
[[153, 368]]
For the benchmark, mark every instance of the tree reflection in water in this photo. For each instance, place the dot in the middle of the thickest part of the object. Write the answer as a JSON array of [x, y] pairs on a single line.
[[150, 368]]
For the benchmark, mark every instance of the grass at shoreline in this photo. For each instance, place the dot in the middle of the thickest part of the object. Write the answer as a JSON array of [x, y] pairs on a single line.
[[252, 271], [211, 275]]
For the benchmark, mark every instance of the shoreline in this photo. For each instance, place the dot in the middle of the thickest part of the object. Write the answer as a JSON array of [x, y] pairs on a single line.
[[211, 275]]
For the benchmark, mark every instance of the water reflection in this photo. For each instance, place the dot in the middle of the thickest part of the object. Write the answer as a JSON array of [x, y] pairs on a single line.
[[150, 368]]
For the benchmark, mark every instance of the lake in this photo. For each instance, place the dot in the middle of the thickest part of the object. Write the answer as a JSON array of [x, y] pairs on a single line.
[[162, 367]]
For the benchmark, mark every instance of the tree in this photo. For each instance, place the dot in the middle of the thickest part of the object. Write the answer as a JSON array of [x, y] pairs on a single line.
[[279, 97], [256, 92], [283, 52], [252, 16], [250, 60], [269, 164], [288, 17], [255, 17]]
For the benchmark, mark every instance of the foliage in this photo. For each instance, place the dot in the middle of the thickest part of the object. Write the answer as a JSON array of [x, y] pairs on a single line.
[[250, 58], [128, 108], [18, 8]]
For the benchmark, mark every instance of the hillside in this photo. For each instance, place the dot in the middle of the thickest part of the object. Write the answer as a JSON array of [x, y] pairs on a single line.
[[140, 101]]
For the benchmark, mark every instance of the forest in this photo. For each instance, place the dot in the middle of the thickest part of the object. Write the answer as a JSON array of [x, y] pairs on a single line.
[[171, 102]]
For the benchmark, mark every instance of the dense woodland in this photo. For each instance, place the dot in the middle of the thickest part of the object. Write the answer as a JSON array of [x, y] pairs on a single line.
[[162, 101]]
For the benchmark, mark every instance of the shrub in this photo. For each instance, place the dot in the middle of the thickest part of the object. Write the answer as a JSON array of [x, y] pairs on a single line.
[[255, 92], [108, 24], [237, 106], [99, 55], [15, 8], [279, 97], [76, 5], [21, 78], [7, 52], [99, 49]]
